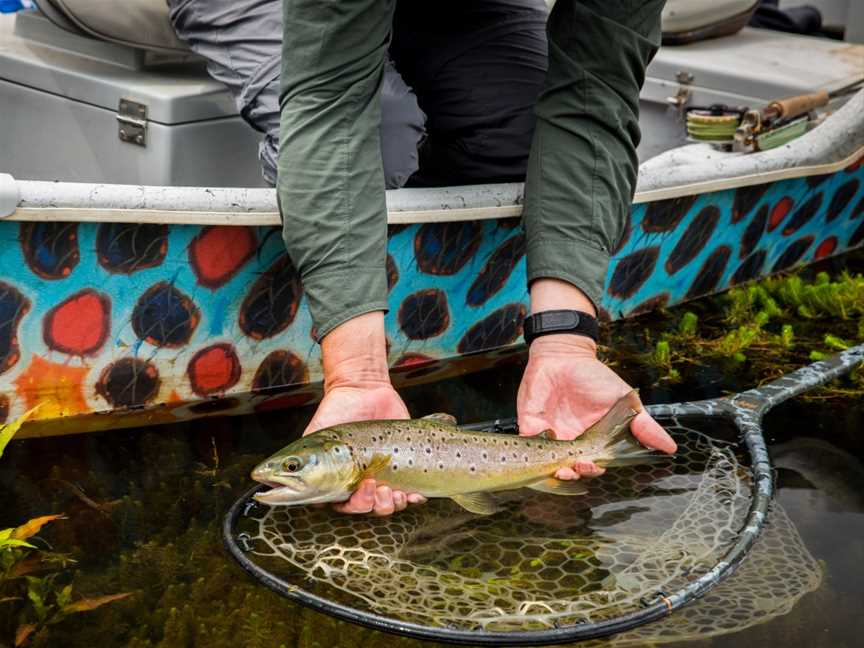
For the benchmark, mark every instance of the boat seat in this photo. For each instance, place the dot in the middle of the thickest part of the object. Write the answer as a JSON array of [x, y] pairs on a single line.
[[141, 24], [688, 21]]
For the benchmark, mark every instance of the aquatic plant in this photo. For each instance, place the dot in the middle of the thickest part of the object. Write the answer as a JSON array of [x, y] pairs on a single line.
[[37, 601]]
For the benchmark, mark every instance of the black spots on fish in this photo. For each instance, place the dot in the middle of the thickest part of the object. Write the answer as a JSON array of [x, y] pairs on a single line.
[[503, 458], [498, 329], [632, 271], [497, 270], [694, 238], [440, 465], [792, 254], [444, 248], [395, 467], [569, 453], [165, 317], [124, 248], [754, 231], [395, 450], [485, 455], [410, 462], [272, 302], [711, 272], [857, 236], [664, 215], [458, 455], [746, 198], [428, 450], [50, 249], [525, 457], [424, 314], [750, 268], [472, 468], [128, 382], [281, 368], [13, 307], [803, 215], [842, 198]]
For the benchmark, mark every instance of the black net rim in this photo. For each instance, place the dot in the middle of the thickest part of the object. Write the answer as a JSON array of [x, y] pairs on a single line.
[[745, 410], [664, 603]]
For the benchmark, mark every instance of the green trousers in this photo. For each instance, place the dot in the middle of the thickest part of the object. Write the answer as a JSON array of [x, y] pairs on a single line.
[[582, 169]]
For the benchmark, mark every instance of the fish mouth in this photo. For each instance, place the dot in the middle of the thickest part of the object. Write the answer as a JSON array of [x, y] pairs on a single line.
[[279, 494]]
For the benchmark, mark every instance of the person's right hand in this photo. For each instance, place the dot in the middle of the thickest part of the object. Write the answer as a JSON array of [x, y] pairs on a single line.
[[357, 388]]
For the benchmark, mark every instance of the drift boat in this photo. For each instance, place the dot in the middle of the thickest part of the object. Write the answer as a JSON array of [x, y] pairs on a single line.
[[134, 304]]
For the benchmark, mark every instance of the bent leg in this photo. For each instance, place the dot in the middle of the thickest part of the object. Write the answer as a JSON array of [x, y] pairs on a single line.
[[241, 40]]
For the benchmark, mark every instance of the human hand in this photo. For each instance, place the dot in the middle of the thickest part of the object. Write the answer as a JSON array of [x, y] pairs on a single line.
[[565, 388], [357, 388]]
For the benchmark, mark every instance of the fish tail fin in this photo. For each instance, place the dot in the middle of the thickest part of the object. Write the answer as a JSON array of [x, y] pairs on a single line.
[[611, 438]]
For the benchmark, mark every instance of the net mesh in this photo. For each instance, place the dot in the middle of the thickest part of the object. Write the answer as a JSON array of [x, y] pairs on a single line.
[[547, 561]]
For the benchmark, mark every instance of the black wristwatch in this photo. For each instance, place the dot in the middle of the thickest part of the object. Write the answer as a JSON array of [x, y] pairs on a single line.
[[560, 321]]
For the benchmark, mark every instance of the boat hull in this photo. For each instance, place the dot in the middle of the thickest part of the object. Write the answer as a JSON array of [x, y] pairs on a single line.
[[107, 325]]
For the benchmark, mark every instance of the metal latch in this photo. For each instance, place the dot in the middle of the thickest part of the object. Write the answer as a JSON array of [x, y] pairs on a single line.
[[132, 122], [682, 96]]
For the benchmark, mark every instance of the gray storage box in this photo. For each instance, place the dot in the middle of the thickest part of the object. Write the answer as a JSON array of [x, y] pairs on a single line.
[[60, 114]]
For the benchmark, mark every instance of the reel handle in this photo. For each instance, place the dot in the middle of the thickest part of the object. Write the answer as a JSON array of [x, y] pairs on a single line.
[[795, 106]]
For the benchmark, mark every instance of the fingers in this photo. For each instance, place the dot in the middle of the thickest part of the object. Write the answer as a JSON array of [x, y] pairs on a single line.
[[651, 434], [581, 468], [380, 500], [362, 501]]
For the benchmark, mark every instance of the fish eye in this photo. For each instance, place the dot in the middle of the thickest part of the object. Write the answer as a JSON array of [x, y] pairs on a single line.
[[292, 464]]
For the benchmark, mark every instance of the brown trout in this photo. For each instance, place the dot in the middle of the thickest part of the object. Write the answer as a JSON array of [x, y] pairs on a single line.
[[436, 458]]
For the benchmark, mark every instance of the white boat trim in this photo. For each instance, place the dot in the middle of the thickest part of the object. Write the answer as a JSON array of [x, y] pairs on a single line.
[[690, 170]]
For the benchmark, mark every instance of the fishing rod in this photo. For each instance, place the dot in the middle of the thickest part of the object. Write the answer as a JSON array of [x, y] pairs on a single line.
[[745, 129]]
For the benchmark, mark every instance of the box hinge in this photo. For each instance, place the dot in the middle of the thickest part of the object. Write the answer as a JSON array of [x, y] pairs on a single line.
[[132, 122]]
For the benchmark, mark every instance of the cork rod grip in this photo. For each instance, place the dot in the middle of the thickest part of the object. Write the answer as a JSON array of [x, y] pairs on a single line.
[[794, 106]]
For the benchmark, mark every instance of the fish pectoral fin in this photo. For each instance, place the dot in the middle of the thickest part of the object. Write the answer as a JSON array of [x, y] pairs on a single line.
[[441, 416], [376, 464], [560, 486], [479, 503]]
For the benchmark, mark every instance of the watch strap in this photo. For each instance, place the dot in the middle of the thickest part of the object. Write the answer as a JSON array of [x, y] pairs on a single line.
[[560, 321]]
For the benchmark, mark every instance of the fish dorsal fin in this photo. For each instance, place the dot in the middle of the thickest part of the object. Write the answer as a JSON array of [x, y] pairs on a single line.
[[560, 486], [615, 423], [442, 417], [479, 503], [547, 434], [376, 464]]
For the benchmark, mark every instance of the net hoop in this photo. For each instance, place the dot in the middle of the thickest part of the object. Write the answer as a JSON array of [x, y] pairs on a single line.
[[745, 410]]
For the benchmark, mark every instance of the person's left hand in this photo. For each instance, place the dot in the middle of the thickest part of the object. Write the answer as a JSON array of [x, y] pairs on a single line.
[[565, 388]]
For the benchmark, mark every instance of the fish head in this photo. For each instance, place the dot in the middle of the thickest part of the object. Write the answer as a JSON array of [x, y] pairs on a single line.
[[309, 471]]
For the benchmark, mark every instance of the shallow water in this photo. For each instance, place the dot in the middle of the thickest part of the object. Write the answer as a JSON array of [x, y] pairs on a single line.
[[144, 509]]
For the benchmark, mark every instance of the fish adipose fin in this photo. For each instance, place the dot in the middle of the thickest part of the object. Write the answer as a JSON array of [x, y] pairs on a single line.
[[479, 503], [440, 416], [612, 436], [560, 487]]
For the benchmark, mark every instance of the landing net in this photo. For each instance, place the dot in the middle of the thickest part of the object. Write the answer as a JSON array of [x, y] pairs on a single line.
[[548, 569]]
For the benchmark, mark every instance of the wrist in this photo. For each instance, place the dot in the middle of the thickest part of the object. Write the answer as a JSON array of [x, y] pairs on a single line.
[[354, 354], [563, 345], [553, 294]]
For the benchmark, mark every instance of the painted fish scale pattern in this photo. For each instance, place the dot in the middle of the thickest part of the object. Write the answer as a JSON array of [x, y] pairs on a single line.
[[156, 323]]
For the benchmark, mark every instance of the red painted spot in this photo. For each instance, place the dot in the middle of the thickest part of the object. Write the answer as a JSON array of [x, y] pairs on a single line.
[[779, 212], [411, 361], [284, 401], [80, 325], [217, 253], [214, 369], [825, 248]]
